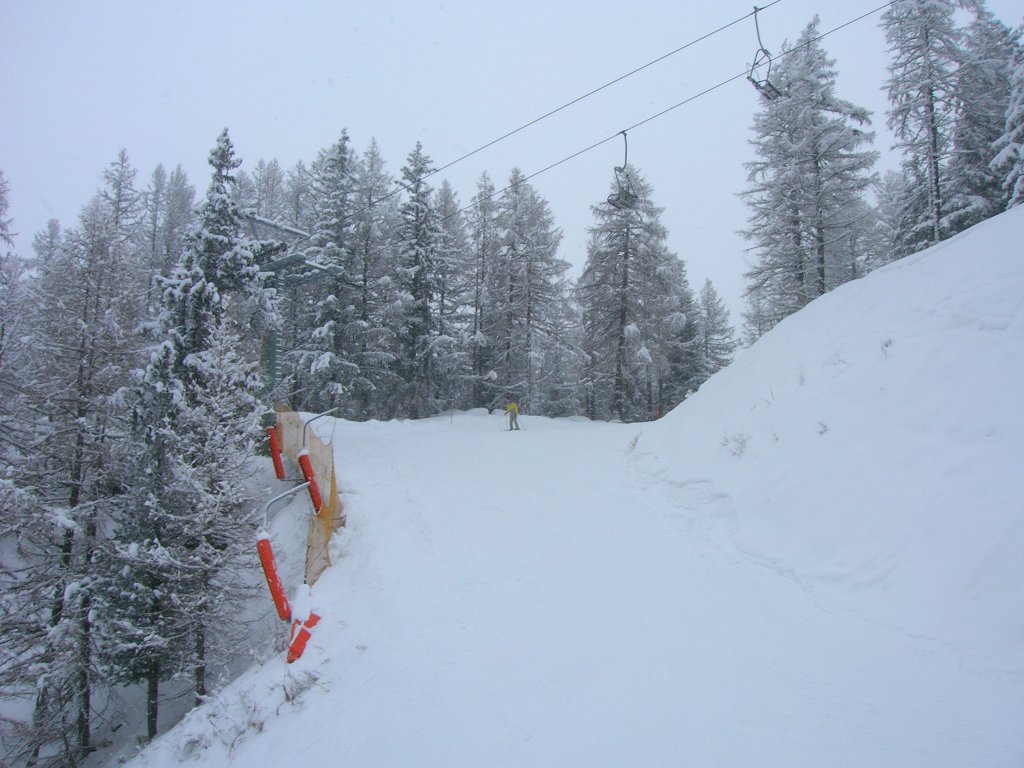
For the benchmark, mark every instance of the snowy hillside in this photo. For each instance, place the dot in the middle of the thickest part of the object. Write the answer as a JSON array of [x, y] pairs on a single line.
[[814, 561]]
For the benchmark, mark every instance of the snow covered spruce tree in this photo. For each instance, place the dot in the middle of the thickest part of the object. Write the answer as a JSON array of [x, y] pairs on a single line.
[[807, 185], [454, 270], [524, 284], [85, 305], [891, 219], [175, 572], [639, 326], [485, 239], [417, 241], [295, 305], [185, 520], [717, 342], [325, 364], [983, 87], [924, 44], [1009, 160], [374, 220]]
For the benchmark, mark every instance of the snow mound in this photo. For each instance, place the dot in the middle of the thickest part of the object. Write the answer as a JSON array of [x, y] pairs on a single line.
[[876, 438]]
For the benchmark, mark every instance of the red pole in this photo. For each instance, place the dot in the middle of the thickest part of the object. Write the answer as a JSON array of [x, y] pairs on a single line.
[[273, 579], [307, 474], [300, 636], [275, 452]]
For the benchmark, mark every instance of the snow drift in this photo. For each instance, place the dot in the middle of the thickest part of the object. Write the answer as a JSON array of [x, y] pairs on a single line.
[[815, 560], [878, 437]]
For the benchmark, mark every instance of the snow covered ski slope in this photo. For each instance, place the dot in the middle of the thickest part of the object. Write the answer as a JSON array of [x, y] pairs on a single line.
[[814, 561]]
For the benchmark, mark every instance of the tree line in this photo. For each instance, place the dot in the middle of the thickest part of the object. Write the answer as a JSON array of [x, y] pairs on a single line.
[[423, 302]]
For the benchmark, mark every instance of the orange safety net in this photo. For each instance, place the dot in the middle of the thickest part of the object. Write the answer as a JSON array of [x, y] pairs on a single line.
[[331, 515]]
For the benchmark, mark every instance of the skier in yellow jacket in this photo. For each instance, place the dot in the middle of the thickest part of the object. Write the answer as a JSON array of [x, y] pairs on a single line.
[[513, 415]]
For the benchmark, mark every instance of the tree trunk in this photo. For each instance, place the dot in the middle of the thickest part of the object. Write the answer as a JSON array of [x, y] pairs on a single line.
[[934, 188], [84, 714], [152, 700], [819, 227], [619, 396], [199, 673]]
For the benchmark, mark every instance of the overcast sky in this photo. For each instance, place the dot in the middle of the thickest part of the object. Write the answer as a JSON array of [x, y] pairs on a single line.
[[81, 80]]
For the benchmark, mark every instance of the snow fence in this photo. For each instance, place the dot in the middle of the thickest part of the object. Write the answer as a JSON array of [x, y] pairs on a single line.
[[296, 440]]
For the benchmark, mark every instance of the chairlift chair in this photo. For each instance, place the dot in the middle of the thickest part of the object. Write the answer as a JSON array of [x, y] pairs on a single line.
[[762, 59], [624, 196]]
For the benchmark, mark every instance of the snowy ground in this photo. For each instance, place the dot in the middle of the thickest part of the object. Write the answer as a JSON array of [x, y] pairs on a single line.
[[815, 561]]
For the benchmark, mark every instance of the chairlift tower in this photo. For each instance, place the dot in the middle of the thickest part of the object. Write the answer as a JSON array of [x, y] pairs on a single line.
[[292, 269]]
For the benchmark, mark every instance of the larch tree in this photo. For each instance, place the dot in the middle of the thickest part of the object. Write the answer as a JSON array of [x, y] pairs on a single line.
[[806, 184], [374, 220], [85, 306], [16, 501], [12, 319], [925, 49], [417, 241], [984, 85], [1008, 162], [485, 241], [452, 298], [154, 202], [269, 181], [678, 362], [327, 367], [524, 283], [296, 304], [177, 219], [892, 218], [243, 191], [6, 235], [296, 204], [717, 337], [167, 216], [636, 332]]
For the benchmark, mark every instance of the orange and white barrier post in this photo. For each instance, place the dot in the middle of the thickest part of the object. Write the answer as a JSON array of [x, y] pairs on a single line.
[[307, 466], [307, 474], [275, 452], [300, 636], [267, 557], [273, 578], [305, 620]]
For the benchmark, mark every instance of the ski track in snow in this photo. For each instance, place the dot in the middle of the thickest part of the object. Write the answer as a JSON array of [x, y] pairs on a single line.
[[625, 606]]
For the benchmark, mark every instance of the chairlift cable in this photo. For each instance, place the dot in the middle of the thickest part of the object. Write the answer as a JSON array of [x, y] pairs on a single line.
[[603, 87], [577, 100], [665, 111]]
